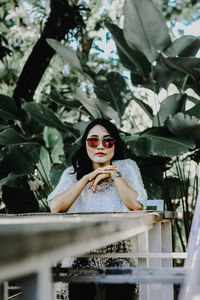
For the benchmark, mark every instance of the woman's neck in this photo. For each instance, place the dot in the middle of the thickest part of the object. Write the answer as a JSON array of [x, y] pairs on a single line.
[[99, 165]]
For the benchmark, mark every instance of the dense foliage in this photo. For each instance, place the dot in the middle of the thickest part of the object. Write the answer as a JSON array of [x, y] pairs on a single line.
[[44, 111]]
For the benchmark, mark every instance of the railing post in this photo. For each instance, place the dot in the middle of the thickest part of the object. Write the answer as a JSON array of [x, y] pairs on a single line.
[[158, 239], [155, 245], [166, 234], [4, 290], [38, 286], [143, 247]]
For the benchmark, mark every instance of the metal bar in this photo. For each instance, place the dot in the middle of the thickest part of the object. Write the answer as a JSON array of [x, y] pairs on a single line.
[[163, 255]]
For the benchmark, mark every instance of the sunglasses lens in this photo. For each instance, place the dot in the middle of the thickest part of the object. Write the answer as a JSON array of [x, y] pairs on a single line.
[[108, 143], [93, 142]]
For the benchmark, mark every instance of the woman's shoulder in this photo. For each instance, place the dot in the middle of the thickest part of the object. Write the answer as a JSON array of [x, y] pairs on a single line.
[[69, 171]]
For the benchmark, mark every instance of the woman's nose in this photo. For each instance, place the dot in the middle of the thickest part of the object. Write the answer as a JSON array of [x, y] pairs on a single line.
[[100, 145]]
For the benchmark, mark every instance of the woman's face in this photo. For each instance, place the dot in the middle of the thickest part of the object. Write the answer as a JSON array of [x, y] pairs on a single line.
[[100, 155]]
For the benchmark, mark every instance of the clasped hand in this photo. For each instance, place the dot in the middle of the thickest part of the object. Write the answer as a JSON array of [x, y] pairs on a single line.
[[99, 175]]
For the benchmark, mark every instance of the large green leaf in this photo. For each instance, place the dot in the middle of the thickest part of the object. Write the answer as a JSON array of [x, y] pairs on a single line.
[[10, 136], [95, 107], [183, 125], [46, 117], [145, 28], [54, 142], [44, 165], [175, 187], [10, 180], [130, 58], [158, 141], [188, 65], [88, 103], [182, 47], [56, 172], [68, 54], [193, 100], [60, 99], [194, 111], [185, 46], [8, 108], [165, 75], [112, 88], [146, 108], [19, 161], [169, 106]]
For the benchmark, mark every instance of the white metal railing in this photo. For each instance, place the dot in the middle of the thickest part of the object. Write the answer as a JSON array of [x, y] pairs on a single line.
[[31, 245]]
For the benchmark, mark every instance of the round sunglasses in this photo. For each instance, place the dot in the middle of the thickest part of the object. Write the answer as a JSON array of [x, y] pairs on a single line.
[[93, 142]]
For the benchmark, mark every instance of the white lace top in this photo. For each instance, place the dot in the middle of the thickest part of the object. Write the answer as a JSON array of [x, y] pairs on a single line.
[[106, 198]]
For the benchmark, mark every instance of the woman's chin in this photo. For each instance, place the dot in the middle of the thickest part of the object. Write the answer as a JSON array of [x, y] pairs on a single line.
[[100, 159]]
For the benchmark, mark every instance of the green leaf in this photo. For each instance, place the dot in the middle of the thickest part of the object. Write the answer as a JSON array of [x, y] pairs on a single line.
[[53, 141], [182, 47], [95, 107], [56, 172], [130, 58], [183, 125], [169, 106], [60, 99], [45, 116], [11, 137], [10, 180], [68, 54], [44, 165], [112, 89], [145, 28], [185, 46], [188, 65], [20, 161], [88, 103], [146, 108], [194, 111], [175, 187], [8, 108], [192, 99], [158, 141], [165, 75]]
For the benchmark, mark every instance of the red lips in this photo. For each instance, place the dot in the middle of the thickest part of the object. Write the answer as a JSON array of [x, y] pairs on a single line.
[[100, 154]]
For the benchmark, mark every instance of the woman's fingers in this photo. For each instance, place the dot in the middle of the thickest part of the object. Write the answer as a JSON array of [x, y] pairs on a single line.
[[98, 179], [104, 170], [92, 176]]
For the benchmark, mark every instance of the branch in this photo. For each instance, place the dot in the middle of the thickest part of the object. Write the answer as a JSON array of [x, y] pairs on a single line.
[[61, 19]]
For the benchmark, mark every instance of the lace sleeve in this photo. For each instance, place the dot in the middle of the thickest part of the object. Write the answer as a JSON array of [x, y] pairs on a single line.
[[67, 179], [132, 176]]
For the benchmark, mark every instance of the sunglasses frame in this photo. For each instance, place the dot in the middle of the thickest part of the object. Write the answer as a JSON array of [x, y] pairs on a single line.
[[101, 142]]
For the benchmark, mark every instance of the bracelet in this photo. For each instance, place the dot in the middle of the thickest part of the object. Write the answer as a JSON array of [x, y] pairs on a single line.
[[115, 175]]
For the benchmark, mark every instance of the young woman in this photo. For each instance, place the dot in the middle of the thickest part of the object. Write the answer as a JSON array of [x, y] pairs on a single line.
[[99, 180]]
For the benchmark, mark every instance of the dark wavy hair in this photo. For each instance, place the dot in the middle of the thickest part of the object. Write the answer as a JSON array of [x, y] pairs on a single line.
[[81, 162]]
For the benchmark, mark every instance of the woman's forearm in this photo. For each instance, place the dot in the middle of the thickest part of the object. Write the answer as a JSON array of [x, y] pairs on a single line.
[[127, 194], [63, 201]]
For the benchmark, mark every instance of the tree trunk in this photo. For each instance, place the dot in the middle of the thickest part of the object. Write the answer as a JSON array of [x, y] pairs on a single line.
[[61, 19]]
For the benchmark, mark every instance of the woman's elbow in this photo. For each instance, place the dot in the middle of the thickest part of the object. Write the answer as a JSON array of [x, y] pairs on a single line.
[[139, 206], [53, 207]]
